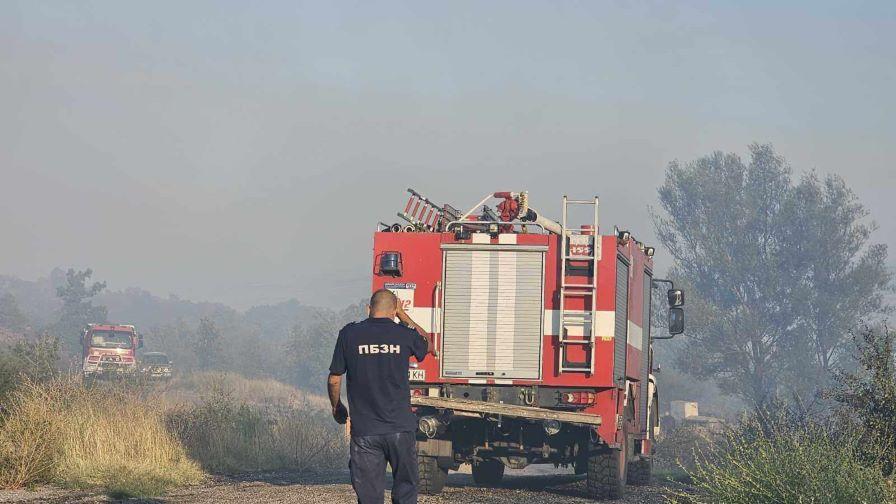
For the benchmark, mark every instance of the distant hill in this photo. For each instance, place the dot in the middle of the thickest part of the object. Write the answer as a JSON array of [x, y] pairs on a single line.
[[38, 301]]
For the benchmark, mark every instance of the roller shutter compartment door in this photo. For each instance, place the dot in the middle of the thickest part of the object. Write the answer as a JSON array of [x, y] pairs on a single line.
[[620, 335], [493, 309]]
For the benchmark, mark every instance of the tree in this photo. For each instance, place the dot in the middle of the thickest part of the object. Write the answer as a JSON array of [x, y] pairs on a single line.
[[77, 309], [11, 316], [845, 278], [209, 347], [765, 261], [311, 344]]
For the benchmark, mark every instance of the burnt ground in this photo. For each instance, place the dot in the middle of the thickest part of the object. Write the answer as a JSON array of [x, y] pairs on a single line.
[[335, 488]]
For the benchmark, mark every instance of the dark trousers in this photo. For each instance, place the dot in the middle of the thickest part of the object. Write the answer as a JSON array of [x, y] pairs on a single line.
[[369, 455]]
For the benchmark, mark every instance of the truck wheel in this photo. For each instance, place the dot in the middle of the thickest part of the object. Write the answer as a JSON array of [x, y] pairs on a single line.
[[606, 474], [431, 478], [488, 472], [639, 472]]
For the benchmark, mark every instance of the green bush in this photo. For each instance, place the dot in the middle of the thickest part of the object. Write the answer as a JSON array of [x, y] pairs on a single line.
[[28, 361], [866, 396], [770, 460]]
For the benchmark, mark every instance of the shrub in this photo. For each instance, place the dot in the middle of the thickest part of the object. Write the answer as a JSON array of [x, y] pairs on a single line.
[[28, 360], [767, 459], [866, 396], [64, 433], [230, 436]]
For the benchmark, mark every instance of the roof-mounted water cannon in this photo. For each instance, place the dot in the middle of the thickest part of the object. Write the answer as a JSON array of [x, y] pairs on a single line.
[[513, 208]]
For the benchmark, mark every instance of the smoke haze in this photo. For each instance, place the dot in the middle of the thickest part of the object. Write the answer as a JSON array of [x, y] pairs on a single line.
[[243, 153]]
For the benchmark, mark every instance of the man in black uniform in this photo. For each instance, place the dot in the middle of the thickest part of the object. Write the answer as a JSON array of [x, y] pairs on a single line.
[[374, 355]]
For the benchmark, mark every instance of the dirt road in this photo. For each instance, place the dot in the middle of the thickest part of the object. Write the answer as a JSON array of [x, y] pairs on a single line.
[[335, 489]]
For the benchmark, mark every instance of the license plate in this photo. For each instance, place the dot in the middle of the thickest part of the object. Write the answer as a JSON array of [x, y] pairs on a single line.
[[417, 374]]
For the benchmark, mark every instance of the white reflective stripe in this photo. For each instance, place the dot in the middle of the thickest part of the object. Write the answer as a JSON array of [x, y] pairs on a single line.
[[477, 344], [424, 317], [480, 238], [605, 319], [502, 382], [634, 335], [505, 313], [477, 381], [507, 239]]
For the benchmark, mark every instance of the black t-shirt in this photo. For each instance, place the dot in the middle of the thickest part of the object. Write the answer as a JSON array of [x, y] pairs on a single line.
[[374, 355]]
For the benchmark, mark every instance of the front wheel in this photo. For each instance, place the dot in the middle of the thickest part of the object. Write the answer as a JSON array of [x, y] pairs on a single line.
[[430, 476], [488, 472]]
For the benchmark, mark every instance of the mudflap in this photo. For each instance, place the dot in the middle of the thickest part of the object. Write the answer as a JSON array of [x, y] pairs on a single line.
[[440, 449]]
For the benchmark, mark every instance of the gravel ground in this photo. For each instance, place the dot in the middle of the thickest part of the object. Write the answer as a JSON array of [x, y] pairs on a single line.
[[517, 488]]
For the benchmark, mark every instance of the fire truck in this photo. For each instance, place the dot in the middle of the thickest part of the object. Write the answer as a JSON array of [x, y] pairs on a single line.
[[109, 350], [542, 334]]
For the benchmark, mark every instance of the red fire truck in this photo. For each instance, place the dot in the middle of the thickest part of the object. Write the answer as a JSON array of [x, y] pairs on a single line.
[[542, 336], [109, 350]]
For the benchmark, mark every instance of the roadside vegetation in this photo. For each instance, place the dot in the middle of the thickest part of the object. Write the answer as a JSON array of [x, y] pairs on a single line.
[[782, 274], [232, 424], [779, 455], [144, 442], [61, 432]]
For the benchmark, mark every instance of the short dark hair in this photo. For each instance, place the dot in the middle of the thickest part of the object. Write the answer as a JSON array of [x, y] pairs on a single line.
[[383, 300]]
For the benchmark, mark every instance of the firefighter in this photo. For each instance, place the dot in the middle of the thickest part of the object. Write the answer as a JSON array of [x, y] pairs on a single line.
[[373, 354]]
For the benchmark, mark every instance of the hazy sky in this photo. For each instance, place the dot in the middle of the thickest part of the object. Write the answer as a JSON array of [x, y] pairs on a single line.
[[243, 151]]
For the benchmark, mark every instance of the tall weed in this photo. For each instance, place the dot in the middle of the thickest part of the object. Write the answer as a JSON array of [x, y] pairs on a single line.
[[61, 432]]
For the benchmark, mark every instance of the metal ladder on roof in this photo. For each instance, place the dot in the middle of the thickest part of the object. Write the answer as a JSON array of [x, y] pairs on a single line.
[[586, 320]]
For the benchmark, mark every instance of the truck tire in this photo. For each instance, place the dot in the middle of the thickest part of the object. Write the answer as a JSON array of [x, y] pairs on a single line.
[[431, 478], [606, 474], [488, 473], [639, 472]]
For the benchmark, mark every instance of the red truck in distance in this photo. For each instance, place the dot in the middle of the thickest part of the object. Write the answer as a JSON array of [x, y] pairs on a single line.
[[109, 350]]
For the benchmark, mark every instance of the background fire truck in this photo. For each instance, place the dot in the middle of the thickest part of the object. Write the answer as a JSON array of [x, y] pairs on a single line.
[[543, 340], [109, 350]]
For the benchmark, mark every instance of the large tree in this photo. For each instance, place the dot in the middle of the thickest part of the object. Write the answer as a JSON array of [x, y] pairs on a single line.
[[778, 272]]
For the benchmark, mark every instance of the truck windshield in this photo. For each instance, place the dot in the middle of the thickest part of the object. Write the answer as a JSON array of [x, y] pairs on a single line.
[[110, 339]]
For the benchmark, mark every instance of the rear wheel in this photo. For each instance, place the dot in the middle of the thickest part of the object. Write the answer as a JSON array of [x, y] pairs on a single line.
[[606, 474], [431, 477], [488, 472]]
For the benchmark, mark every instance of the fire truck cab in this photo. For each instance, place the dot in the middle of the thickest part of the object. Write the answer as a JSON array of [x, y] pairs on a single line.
[[109, 350], [543, 340]]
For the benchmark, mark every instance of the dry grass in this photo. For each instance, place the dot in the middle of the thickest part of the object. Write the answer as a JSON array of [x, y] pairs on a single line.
[[196, 388], [141, 441], [253, 425], [63, 433]]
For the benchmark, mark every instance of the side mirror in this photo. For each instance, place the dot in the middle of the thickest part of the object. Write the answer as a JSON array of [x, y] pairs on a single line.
[[139, 341], [676, 297], [676, 320]]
